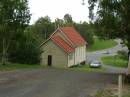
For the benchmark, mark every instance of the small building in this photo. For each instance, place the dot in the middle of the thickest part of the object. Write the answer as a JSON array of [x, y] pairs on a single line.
[[64, 48]]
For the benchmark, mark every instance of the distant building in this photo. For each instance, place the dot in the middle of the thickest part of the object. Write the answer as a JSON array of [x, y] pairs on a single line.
[[64, 48]]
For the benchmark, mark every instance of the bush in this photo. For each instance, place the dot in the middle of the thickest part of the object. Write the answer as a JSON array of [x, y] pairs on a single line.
[[25, 50], [28, 54], [123, 55]]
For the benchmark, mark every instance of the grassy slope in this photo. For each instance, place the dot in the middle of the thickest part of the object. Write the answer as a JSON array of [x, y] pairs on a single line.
[[113, 61], [102, 44]]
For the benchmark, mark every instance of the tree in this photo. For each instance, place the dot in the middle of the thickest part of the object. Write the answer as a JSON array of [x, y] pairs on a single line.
[[68, 20], [112, 18], [44, 27], [86, 31], [59, 23], [26, 49], [14, 18]]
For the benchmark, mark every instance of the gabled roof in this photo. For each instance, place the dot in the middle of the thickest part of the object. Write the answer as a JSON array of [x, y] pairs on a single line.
[[73, 35], [75, 39], [60, 42]]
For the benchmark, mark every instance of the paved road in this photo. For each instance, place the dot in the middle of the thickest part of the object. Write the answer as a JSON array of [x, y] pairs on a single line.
[[53, 83], [112, 51]]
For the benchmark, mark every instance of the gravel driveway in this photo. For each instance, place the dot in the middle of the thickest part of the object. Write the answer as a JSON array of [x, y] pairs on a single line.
[[53, 83]]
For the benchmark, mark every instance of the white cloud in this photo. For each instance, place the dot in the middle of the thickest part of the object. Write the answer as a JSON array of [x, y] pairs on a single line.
[[58, 8]]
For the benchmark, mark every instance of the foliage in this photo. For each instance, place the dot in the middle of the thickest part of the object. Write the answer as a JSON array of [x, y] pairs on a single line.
[[86, 32], [112, 19], [123, 55], [44, 27], [26, 49], [68, 21], [14, 18], [59, 23]]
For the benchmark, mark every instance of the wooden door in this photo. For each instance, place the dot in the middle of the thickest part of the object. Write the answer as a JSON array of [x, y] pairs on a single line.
[[49, 60]]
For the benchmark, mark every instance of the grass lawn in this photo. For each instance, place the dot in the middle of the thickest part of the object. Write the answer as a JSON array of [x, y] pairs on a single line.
[[87, 68], [102, 44], [109, 93], [114, 61], [128, 95], [10, 67]]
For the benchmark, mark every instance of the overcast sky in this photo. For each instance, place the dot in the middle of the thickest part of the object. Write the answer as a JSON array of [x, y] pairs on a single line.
[[58, 8]]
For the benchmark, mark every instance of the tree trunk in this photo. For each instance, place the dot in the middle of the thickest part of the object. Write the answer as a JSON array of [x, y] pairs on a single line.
[[128, 45], [4, 53], [129, 64]]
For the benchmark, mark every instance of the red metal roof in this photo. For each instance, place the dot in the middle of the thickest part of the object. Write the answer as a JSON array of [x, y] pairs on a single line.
[[73, 35], [59, 41]]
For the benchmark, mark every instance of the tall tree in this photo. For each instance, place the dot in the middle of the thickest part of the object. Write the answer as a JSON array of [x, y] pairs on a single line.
[[68, 20], [44, 27], [59, 23], [86, 31], [26, 49], [112, 18], [14, 17]]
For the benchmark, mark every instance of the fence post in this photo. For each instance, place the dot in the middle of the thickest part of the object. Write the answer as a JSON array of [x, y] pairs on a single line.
[[120, 84]]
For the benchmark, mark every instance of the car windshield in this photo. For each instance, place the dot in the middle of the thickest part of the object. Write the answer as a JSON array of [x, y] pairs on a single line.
[[96, 62]]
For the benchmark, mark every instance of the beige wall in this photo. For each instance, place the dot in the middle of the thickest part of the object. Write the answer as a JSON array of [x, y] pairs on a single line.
[[80, 54], [59, 57], [71, 59]]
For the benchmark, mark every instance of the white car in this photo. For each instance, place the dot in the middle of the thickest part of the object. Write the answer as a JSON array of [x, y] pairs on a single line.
[[105, 52], [95, 64]]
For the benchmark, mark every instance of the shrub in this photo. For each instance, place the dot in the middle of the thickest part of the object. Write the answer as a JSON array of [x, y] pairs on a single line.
[[123, 55], [25, 50]]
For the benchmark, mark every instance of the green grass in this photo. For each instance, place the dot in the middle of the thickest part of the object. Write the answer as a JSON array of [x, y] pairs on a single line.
[[104, 93], [10, 67], [114, 61], [87, 68], [13, 67], [102, 44], [127, 95], [109, 93]]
